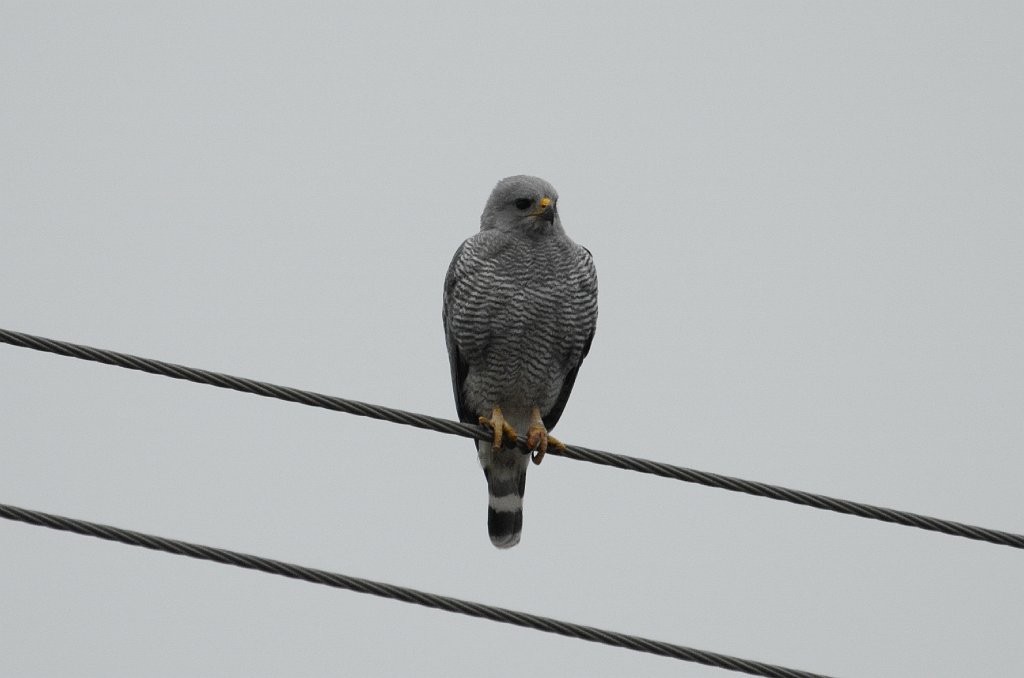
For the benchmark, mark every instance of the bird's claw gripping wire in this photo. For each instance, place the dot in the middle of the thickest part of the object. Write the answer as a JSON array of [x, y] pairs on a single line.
[[538, 440], [504, 434]]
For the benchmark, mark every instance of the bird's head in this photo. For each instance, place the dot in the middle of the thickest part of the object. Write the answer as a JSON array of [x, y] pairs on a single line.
[[522, 204]]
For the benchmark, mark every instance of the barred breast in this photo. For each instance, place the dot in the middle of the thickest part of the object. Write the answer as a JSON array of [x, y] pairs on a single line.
[[523, 309]]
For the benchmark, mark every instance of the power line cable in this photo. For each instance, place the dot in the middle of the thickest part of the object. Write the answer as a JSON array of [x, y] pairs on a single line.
[[818, 501], [406, 595]]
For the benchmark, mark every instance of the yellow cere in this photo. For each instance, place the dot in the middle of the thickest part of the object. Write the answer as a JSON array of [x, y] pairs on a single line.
[[544, 202]]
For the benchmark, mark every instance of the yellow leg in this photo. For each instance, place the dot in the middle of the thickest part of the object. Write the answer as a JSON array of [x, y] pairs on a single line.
[[538, 439], [504, 434]]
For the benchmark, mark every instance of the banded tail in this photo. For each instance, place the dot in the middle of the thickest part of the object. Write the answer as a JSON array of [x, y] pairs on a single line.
[[506, 484]]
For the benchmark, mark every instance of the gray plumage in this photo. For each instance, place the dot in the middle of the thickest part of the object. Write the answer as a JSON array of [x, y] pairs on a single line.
[[520, 309]]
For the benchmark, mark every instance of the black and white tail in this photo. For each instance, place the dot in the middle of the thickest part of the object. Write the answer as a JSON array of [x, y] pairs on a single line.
[[506, 484]]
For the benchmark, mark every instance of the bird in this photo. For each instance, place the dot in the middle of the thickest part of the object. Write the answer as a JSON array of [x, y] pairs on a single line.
[[519, 315]]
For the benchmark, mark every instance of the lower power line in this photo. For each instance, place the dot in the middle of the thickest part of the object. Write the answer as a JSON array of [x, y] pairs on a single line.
[[406, 595]]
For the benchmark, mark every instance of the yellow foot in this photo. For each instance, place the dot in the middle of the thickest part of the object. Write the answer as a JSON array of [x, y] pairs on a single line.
[[538, 439], [504, 434]]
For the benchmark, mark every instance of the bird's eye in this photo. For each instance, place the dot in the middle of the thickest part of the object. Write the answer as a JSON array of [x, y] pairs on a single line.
[[523, 203]]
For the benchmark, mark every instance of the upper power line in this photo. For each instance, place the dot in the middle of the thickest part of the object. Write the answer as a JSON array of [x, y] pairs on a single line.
[[709, 479]]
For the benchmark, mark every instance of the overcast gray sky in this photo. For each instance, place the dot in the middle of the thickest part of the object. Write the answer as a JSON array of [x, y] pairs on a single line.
[[807, 223]]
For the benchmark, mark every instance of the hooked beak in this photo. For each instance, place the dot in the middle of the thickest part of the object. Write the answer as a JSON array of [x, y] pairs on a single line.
[[547, 212]]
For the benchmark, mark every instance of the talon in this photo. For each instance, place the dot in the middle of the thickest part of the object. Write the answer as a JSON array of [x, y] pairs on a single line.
[[538, 439], [504, 434], [551, 441]]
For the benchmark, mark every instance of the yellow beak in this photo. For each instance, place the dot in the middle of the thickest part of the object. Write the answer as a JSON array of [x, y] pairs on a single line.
[[542, 206]]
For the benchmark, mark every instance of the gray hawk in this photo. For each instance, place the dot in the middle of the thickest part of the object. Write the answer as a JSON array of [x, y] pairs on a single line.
[[520, 309]]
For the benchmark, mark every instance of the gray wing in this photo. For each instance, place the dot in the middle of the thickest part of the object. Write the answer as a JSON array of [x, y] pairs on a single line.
[[458, 365], [563, 396], [589, 307]]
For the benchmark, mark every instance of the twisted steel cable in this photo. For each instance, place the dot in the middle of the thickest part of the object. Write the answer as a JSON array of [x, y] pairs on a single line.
[[406, 595], [620, 461]]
